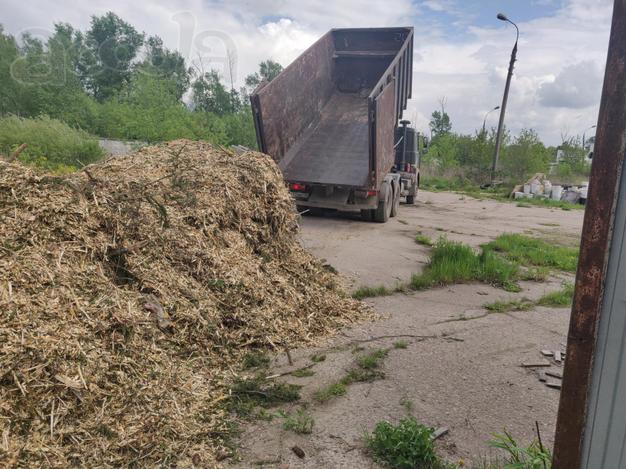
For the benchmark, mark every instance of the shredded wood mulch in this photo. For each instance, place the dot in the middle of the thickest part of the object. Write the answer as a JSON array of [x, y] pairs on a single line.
[[130, 291]]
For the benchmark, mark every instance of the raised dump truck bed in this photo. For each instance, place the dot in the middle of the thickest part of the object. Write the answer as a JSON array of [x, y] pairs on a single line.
[[329, 119]]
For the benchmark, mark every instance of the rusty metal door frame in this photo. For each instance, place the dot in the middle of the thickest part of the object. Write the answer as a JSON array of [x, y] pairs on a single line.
[[604, 188]]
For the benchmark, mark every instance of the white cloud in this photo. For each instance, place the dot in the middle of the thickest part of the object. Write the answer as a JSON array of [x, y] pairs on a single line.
[[468, 69]]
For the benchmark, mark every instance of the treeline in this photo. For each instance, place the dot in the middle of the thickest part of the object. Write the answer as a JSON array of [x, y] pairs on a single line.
[[467, 159], [113, 81]]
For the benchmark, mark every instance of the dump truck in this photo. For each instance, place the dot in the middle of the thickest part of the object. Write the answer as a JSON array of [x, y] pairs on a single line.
[[332, 122]]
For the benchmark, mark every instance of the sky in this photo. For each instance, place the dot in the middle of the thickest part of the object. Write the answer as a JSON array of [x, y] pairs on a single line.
[[461, 50]]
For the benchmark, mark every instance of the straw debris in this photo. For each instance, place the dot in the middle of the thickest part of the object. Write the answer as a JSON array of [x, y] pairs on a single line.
[[129, 293]]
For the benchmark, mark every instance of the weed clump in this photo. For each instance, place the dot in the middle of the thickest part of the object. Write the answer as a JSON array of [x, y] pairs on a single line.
[[534, 252], [407, 445], [301, 423], [453, 262], [562, 297], [246, 394], [255, 359]]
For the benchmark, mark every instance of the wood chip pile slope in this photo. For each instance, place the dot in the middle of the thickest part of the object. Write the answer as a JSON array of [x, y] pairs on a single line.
[[129, 292]]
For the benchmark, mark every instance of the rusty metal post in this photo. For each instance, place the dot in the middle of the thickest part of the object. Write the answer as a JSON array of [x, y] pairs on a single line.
[[597, 230]]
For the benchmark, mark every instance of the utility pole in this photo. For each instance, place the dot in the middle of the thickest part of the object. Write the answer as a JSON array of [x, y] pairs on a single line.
[[505, 97]]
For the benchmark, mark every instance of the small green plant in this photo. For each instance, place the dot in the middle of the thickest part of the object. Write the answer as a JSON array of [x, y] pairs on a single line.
[[400, 344], [423, 239], [534, 456], [562, 297], [303, 373], [535, 274], [407, 445], [255, 359], [301, 423], [318, 357], [407, 404], [330, 391], [372, 359], [504, 306], [246, 394], [370, 292]]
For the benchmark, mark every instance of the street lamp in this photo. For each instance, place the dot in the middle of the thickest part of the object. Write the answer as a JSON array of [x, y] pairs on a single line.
[[584, 132], [505, 97], [489, 112]]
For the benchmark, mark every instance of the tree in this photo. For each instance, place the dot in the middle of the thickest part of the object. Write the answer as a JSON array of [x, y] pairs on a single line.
[[111, 46], [166, 64], [440, 121], [526, 156], [210, 95], [268, 70]]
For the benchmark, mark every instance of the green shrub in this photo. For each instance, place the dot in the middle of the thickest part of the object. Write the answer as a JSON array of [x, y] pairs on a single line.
[[51, 144], [407, 445]]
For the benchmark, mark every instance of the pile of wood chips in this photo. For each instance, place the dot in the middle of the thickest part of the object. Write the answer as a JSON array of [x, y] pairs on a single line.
[[129, 292]]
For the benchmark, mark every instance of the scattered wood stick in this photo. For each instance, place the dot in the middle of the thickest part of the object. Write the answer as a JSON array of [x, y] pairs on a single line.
[[13, 156]]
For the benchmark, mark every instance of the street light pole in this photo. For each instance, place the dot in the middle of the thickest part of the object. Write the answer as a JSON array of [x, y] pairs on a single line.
[[585, 131], [489, 112], [505, 97]]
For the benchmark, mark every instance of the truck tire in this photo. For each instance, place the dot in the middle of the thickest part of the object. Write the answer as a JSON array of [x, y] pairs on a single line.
[[382, 213], [410, 199], [395, 206]]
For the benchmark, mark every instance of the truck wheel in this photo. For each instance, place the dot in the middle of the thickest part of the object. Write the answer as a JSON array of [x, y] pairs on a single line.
[[382, 213], [395, 206], [410, 199]]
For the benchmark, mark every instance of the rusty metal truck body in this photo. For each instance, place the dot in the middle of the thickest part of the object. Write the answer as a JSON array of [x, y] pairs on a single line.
[[330, 121]]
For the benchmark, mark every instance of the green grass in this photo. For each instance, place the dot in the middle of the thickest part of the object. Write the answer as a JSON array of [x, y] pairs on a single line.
[[504, 306], [303, 373], [372, 359], [332, 390], [369, 292], [532, 456], [535, 274], [255, 359], [318, 357], [301, 423], [247, 394], [423, 240], [534, 252], [452, 262], [407, 445], [51, 144], [401, 344], [562, 297]]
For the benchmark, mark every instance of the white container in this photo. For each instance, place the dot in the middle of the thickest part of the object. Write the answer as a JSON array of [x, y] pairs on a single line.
[[534, 187], [547, 188], [526, 188], [557, 191], [583, 192]]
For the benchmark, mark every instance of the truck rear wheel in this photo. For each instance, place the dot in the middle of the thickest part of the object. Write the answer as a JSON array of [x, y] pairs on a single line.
[[383, 212], [395, 206]]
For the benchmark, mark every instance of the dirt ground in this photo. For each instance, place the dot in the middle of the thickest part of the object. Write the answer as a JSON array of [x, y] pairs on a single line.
[[462, 366]]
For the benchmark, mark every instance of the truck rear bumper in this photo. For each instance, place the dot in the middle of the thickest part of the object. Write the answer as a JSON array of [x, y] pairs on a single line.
[[334, 198]]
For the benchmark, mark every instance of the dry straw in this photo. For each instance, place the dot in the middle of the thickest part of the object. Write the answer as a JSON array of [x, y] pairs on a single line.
[[129, 292]]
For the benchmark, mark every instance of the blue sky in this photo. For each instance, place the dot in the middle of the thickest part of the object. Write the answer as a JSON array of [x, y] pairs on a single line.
[[461, 49]]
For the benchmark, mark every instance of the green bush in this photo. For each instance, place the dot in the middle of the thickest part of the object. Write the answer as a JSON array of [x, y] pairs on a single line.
[[407, 445], [51, 144]]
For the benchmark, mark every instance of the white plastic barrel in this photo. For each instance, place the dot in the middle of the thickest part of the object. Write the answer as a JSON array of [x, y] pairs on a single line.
[[547, 187], [534, 187], [526, 188], [557, 191]]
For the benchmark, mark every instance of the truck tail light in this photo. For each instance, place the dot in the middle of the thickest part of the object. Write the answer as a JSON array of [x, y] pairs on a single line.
[[371, 193], [294, 186]]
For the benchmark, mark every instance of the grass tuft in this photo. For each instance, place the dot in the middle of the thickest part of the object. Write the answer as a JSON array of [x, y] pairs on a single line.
[[562, 297], [534, 252], [332, 390], [301, 423], [302, 373], [246, 394], [452, 262], [372, 359], [401, 344], [407, 445], [255, 359], [423, 239], [369, 292], [505, 306], [534, 456], [318, 357]]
